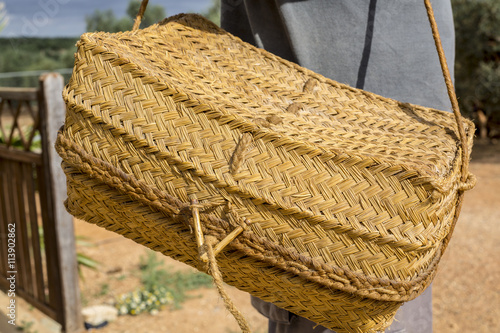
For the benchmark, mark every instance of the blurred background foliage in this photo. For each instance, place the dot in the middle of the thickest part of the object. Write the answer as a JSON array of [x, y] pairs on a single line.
[[33, 54], [107, 21], [477, 65]]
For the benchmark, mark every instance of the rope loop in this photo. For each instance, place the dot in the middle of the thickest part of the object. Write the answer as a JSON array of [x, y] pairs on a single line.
[[469, 183]]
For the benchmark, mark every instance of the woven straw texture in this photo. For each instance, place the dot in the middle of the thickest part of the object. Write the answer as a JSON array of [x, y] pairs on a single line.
[[346, 199]]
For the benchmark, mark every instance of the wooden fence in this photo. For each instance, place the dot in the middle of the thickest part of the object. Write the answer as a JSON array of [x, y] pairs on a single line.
[[37, 249]]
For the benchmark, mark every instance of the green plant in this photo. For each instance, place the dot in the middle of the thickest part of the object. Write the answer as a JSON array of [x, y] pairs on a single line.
[[26, 326], [160, 287], [19, 142], [84, 300], [107, 21], [82, 259], [178, 283], [144, 300], [151, 271], [104, 289]]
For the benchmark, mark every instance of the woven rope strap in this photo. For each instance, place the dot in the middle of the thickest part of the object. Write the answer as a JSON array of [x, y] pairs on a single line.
[[451, 94], [214, 271], [140, 14]]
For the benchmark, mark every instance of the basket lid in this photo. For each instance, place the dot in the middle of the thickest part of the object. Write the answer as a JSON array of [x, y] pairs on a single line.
[[262, 92]]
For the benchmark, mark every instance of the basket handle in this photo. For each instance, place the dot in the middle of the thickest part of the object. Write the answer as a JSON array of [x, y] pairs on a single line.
[[140, 14], [451, 91]]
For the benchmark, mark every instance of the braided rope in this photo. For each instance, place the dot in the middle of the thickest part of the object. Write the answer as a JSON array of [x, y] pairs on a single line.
[[451, 91], [140, 14], [213, 269]]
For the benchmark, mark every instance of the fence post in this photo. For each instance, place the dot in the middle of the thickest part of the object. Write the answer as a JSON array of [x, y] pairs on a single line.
[[52, 118]]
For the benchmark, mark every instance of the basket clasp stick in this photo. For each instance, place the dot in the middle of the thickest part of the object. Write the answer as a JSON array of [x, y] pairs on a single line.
[[200, 238]]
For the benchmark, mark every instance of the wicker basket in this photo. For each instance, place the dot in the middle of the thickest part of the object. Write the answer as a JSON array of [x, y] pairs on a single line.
[[342, 201]]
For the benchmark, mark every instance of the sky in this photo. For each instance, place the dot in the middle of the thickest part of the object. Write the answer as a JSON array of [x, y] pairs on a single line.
[[66, 18]]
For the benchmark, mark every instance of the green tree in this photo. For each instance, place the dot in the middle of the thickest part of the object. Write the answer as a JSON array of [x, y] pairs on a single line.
[[152, 15], [32, 54], [477, 65], [107, 21], [4, 19], [213, 12]]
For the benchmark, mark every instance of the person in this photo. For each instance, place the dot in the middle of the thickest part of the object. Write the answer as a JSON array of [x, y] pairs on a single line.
[[385, 47]]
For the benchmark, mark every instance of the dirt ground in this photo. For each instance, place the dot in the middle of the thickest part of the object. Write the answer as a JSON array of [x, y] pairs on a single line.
[[466, 289]]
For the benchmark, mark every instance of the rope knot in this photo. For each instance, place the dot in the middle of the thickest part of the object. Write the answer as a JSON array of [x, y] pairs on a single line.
[[469, 183]]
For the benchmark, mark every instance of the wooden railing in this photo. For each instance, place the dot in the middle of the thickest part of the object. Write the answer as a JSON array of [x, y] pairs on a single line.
[[37, 248]]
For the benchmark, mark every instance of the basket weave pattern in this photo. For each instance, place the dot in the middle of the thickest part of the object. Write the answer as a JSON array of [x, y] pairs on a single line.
[[347, 199]]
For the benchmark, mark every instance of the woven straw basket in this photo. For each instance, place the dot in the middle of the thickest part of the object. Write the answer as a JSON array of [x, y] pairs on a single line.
[[329, 201]]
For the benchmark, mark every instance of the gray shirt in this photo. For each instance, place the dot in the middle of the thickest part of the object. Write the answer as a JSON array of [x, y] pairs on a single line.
[[382, 46]]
